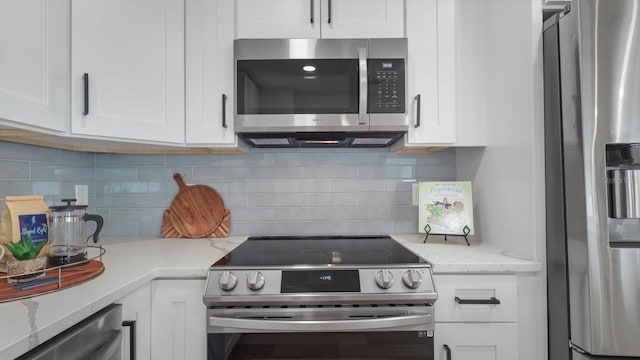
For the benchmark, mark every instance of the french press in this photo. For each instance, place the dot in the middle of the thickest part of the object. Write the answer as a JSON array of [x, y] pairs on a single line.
[[68, 232]]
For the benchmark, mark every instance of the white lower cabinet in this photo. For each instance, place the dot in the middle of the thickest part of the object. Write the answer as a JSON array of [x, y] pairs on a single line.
[[178, 319], [136, 321], [476, 317], [168, 318], [476, 341]]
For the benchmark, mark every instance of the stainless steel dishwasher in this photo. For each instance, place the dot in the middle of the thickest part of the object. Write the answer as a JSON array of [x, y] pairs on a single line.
[[97, 337]]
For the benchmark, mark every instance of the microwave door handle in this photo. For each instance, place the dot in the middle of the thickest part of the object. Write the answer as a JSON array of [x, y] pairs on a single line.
[[364, 88]]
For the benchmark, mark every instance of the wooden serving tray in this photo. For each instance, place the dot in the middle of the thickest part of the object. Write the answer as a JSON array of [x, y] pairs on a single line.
[[69, 276]]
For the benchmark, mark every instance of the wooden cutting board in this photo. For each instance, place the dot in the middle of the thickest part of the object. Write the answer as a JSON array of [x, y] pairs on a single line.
[[196, 211], [168, 231]]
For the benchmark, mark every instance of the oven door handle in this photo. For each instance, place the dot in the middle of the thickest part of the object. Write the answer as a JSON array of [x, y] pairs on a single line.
[[319, 325]]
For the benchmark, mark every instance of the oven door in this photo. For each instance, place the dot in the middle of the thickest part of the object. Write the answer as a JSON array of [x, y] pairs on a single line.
[[327, 332]]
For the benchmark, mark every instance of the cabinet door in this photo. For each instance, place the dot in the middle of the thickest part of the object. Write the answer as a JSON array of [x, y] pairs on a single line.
[[278, 19], [471, 72], [476, 298], [133, 54], [209, 72], [178, 319], [34, 63], [136, 310], [362, 18], [431, 71], [476, 341], [320, 18]]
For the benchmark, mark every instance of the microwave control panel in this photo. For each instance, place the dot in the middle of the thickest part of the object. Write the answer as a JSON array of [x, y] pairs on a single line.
[[386, 85]]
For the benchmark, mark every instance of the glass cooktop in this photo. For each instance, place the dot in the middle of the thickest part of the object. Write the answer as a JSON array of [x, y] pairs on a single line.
[[319, 250]]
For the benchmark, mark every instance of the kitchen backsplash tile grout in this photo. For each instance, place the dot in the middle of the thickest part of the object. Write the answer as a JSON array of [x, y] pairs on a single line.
[[269, 192]]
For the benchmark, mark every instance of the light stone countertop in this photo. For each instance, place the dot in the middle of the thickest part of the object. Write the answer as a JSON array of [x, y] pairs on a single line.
[[454, 256], [131, 263]]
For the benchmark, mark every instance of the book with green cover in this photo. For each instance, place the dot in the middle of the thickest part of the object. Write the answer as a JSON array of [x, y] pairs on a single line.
[[446, 206]]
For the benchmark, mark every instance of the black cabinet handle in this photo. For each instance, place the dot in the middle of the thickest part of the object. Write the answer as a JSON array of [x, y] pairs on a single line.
[[311, 7], [329, 19], [224, 111], [492, 301], [85, 80], [447, 350], [417, 110], [132, 338]]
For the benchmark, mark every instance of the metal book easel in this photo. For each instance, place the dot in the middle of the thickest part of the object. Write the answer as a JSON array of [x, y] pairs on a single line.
[[465, 232]]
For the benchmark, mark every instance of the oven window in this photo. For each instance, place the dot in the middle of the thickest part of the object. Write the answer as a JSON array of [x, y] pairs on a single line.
[[319, 86], [397, 345]]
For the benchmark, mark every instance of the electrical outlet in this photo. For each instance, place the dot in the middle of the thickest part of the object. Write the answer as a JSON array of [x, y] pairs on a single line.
[[82, 194], [414, 194]]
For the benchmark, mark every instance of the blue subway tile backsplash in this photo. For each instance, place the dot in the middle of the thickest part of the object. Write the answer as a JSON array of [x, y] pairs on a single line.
[[14, 170], [268, 191]]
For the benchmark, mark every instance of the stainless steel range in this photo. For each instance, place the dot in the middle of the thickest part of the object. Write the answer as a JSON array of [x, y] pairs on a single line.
[[320, 297]]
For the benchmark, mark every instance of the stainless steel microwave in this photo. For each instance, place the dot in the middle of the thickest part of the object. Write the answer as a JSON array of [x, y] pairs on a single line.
[[320, 92]]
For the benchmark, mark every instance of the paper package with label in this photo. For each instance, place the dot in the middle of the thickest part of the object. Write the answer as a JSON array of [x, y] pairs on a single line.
[[24, 216]]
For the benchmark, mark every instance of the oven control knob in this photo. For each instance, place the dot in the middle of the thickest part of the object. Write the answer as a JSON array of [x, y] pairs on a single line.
[[384, 279], [412, 279], [227, 281], [255, 281]]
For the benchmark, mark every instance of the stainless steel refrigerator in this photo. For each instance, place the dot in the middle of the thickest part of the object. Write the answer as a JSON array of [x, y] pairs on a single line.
[[592, 153]]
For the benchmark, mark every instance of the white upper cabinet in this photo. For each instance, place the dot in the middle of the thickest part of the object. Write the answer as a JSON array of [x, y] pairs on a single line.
[[128, 66], [278, 19], [362, 19], [431, 72], [473, 59], [209, 72], [320, 18], [34, 63]]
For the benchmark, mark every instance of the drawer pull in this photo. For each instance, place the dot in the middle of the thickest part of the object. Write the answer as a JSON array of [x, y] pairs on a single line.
[[417, 125], [85, 81], [131, 324], [447, 350], [224, 111], [492, 301]]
